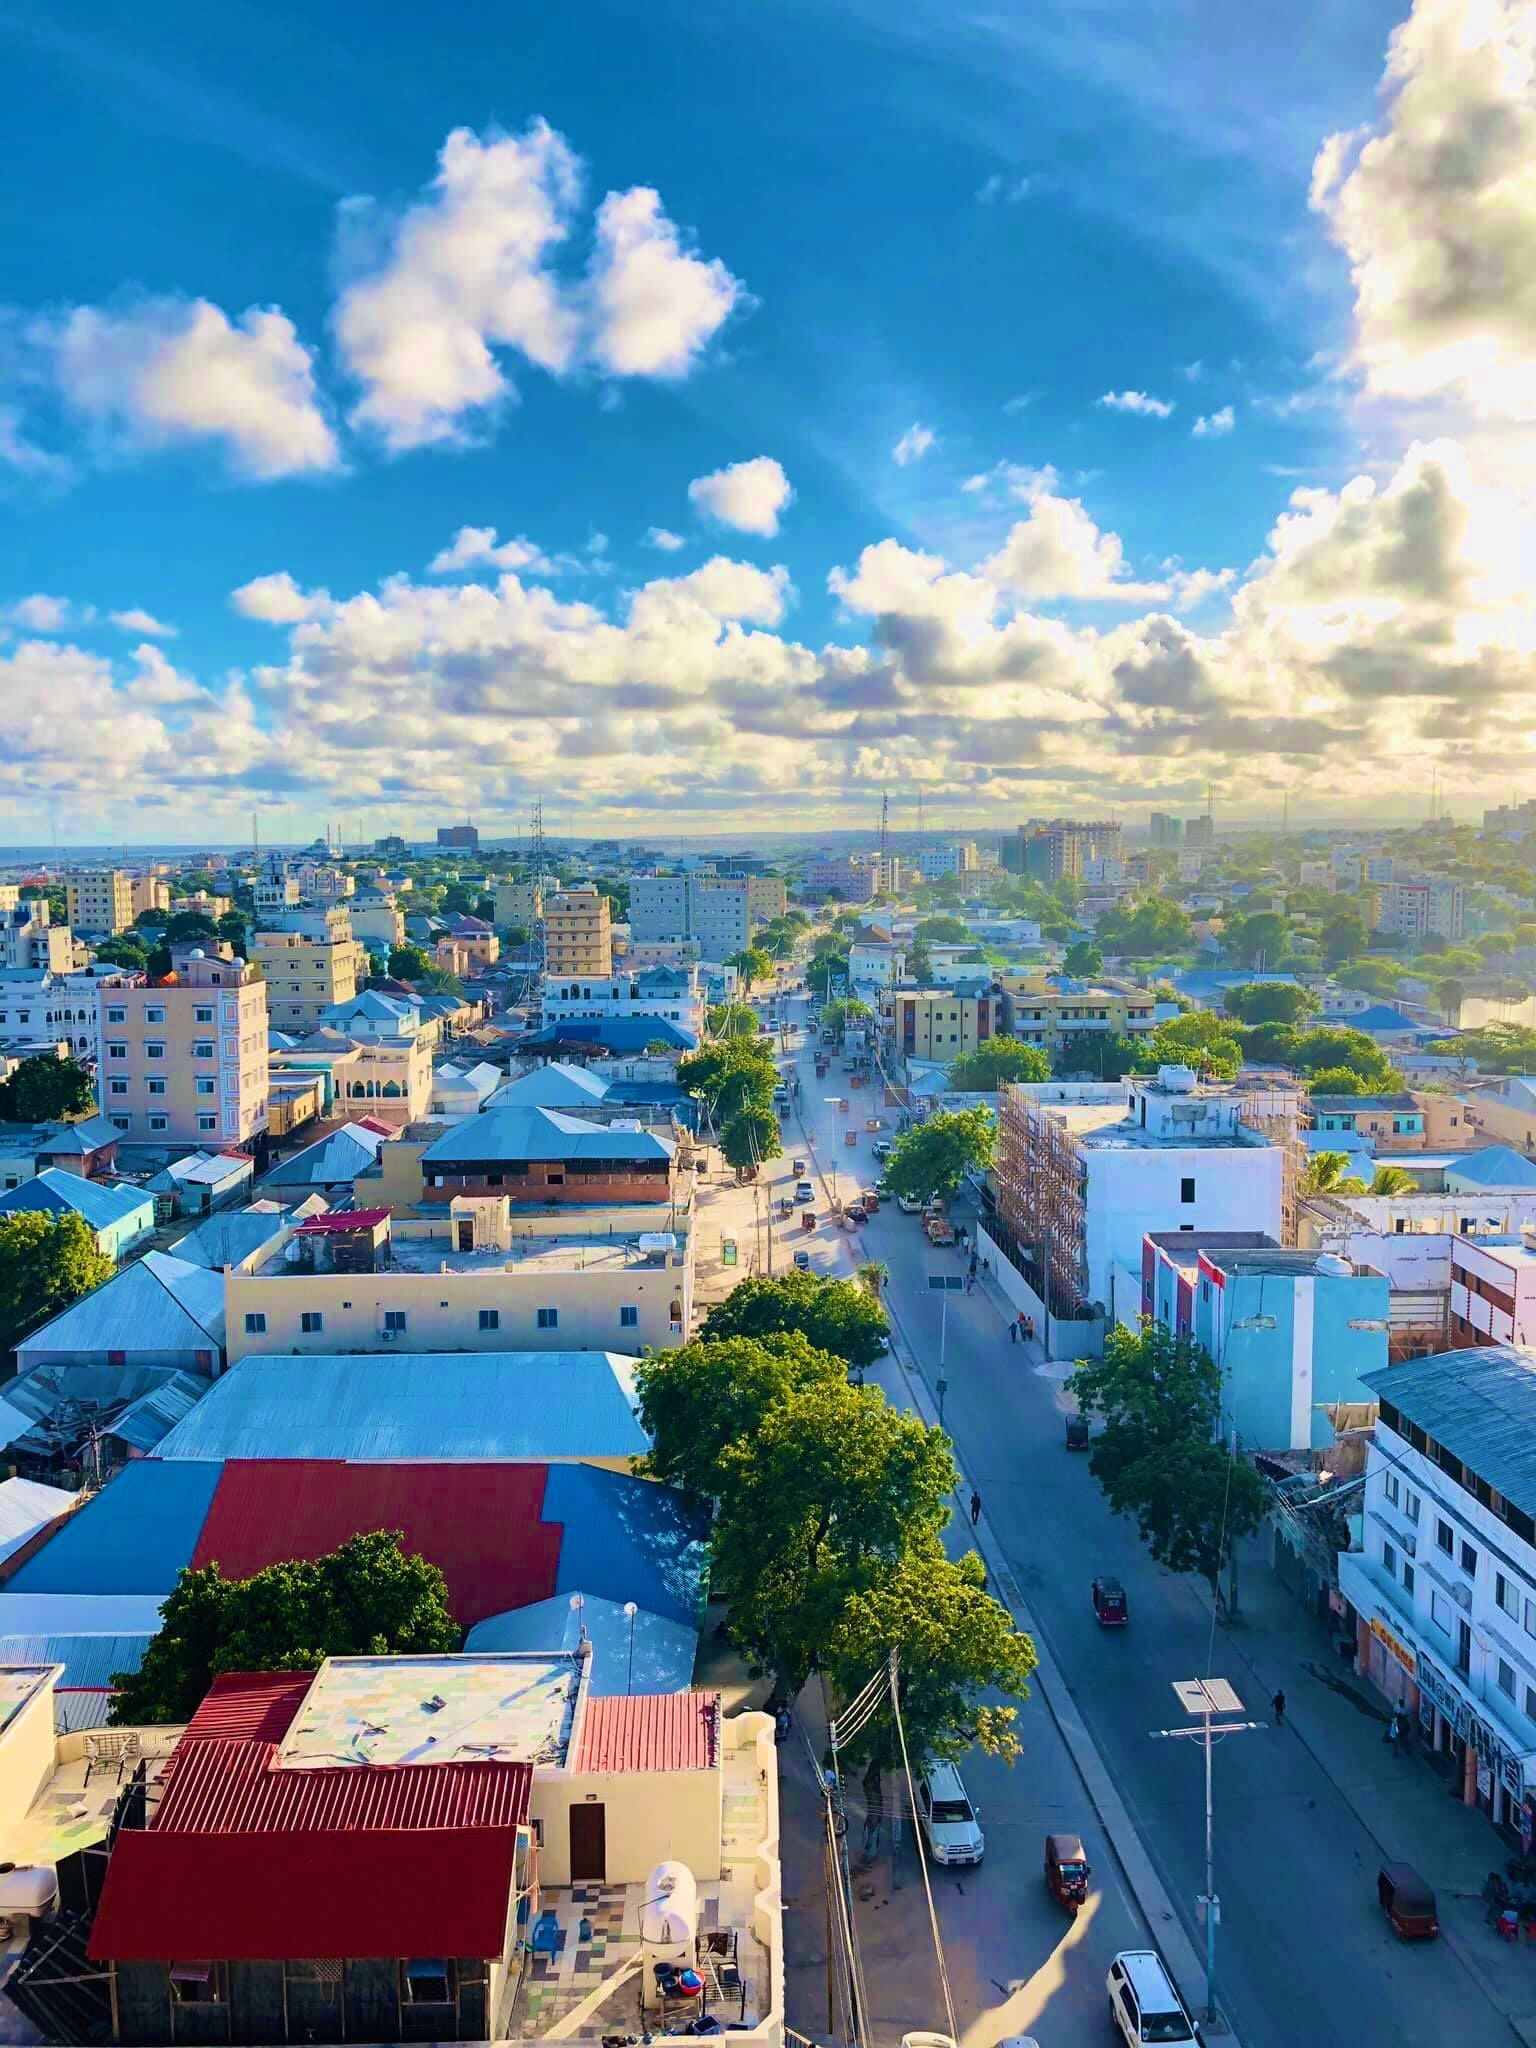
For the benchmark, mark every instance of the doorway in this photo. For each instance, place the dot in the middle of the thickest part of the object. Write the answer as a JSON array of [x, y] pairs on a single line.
[[466, 1234], [589, 1843]]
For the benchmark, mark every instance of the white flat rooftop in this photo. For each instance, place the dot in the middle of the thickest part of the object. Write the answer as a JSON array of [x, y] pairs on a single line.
[[436, 1710]]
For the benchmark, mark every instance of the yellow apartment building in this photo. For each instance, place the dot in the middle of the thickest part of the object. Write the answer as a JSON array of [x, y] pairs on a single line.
[[100, 899], [150, 892], [942, 1023], [310, 960], [1050, 1011], [578, 934], [185, 1059]]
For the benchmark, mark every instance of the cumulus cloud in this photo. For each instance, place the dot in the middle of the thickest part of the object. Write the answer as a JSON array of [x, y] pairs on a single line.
[[662, 537], [1138, 402], [278, 601], [1212, 423], [41, 614], [747, 495], [476, 547], [1436, 209], [727, 589], [1057, 551], [655, 304], [913, 445], [463, 271], [144, 623], [171, 370]]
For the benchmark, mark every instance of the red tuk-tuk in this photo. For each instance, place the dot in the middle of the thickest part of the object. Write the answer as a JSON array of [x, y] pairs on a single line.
[[1066, 1870], [807, 1219], [1408, 1902], [1109, 1604]]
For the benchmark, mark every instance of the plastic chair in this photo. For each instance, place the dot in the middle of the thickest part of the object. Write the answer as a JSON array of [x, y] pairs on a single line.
[[1508, 1926]]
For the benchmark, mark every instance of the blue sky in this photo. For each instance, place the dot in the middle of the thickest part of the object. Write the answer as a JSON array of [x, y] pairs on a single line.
[[968, 229]]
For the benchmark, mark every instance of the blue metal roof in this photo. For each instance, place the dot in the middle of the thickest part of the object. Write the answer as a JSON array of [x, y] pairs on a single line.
[[100, 1203], [646, 1654], [341, 1156], [230, 1236], [88, 1660], [457, 1405], [1495, 1166], [617, 1034], [627, 1539], [531, 1131], [134, 1537]]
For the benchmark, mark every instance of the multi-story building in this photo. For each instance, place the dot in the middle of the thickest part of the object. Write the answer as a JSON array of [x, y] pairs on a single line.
[[718, 911], [1058, 849], [1511, 821], [29, 940], [1442, 1591], [1316, 874], [1417, 909], [658, 907], [311, 960], [100, 900], [1166, 829], [392, 846], [578, 933], [939, 1024], [519, 903], [202, 903], [1084, 1172], [56, 1006], [458, 835], [186, 1057], [150, 892], [855, 877], [767, 897], [1057, 1011], [955, 857], [1200, 831], [675, 993], [378, 921], [321, 881], [1493, 1290]]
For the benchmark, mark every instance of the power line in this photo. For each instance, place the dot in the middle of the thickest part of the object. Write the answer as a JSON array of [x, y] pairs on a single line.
[[922, 1860]]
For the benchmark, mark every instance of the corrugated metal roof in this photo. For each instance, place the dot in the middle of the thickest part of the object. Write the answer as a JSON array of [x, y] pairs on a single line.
[[618, 1034], [640, 1653], [627, 1539], [101, 1203], [133, 1537], [339, 1156], [145, 1421], [552, 1084], [229, 1237], [534, 1132], [658, 1731], [1494, 1166], [25, 1508], [480, 1524], [1480, 1403], [82, 1698], [450, 1406], [80, 1614], [250, 1706], [158, 1304], [233, 1785], [91, 1134]]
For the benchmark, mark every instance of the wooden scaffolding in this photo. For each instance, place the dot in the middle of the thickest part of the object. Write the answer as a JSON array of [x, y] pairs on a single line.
[[1042, 1196]]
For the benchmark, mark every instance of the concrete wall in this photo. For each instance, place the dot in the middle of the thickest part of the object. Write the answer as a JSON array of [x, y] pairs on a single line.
[[27, 1754], [649, 1816], [1133, 1189], [1275, 1380]]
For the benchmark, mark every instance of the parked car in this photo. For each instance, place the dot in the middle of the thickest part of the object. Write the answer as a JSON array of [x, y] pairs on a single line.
[[803, 1261], [950, 1824], [857, 1213], [1142, 2001], [804, 1192], [909, 1205]]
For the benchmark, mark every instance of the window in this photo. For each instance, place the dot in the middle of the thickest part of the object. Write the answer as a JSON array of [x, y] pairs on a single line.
[[1506, 1678], [196, 1984], [117, 1016], [159, 1123], [202, 1049], [1440, 1613], [549, 1319], [207, 1123], [1391, 1488], [203, 1014], [490, 1319], [116, 1050], [1187, 1188], [155, 1087], [154, 1049], [311, 1322], [1528, 1619], [1389, 1560], [1468, 1559], [1505, 1594], [155, 1014], [629, 1316], [121, 1123], [255, 1323], [205, 1084], [117, 1086], [1407, 1576], [1445, 1536], [1411, 1504], [394, 1319]]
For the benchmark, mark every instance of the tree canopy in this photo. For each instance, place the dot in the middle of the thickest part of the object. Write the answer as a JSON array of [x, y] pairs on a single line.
[[47, 1261], [1497, 1048], [730, 1020], [932, 1158], [1270, 1002], [729, 1076], [996, 1061], [751, 1137], [839, 1316], [942, 931], [1199, 1039], [1153, 926], [367, 1599], [409, 963], [848, 1010], [1343, 934], [752, 964], [697, 1400], [44, 1089], [1083, 957]]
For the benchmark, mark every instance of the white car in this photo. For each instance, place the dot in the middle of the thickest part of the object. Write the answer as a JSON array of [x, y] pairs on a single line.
[[950, 1824], [909, 1205], [1143, 2002]]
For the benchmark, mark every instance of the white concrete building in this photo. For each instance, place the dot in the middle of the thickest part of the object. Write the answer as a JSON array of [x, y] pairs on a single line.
[[55, 1006], [676, 993], [1443, 1587], [954, 857], [715, 910], [1493, 1290]]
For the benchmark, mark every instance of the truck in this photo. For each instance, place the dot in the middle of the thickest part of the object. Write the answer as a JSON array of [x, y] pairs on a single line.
[[938, 1229]]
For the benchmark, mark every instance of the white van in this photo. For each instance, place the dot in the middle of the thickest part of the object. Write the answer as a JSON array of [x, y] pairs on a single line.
[[951, 1826], [1143, 2002]]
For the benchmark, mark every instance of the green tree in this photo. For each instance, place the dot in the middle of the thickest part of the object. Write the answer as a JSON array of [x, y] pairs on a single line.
[[47, 1261], [44, 1089], [1393, 1180], [730, 1020], [1450, 994], [954, 1641], [618, 895], [1199, 1039], [697, 1401], [1153, 926], [191, 928], [1106, 1055], [1270, 1045], [437, 981], [1270, 1002], [752, 964], [1083, 957], [1340, 1081], [1330, 1173], [1336, 1045], [839, 1015], [1256, 940], [932, 1158], [832, 1491], [996, 1061], [1343, 935], [409, 963], [151, 921], [751, 1138], [942, 931], [839, 1316], [729, 1076], [126, 950], [1496, 1048], [367, 1599], [233, 931]]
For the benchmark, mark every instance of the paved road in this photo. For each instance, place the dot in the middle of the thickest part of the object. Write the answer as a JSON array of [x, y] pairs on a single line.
[[1304, 1951]]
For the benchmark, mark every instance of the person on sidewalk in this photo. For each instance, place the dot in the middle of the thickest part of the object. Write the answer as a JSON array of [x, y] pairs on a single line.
[[1013, 1333], [1278, 1704], [975, 1507]]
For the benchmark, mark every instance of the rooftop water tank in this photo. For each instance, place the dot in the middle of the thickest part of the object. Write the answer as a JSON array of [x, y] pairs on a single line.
[[1335, 1267], [1177, 1080]]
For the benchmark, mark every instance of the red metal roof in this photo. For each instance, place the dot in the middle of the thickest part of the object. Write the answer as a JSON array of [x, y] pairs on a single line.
[[253, 1706], [238, 1788], [480, 1524], [345, 1219], [658, 1731]]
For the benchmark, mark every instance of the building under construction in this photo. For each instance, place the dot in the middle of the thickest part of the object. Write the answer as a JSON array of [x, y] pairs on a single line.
[[1042, 1199]]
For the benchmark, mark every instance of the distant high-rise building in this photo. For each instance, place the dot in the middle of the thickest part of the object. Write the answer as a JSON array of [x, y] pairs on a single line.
[[100, 900], [1166, 830], [392, 845], [1058, 849], [458, 835], [578, 933], [1200, 831]]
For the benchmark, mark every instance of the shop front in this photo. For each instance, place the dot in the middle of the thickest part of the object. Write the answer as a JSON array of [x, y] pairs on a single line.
[[1490, 1772]]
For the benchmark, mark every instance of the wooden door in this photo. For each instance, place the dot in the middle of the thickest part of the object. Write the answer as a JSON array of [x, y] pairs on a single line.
[[589, 1843]]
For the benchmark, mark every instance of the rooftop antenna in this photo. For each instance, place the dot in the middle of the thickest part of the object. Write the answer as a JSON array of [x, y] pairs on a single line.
[[885, 824], [1285, 814]]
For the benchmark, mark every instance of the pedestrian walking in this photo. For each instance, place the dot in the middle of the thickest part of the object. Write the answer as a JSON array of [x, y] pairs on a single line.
[[1013, 1333], [970, 1281], [1394, 1727], [975, 1507], [1278, 1704], [1029, 1329]]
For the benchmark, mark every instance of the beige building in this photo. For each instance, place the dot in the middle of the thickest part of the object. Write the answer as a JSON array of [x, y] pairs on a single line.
[[202, 904], [578, 934], [150, 893], [386, 1078], [519, 903], [100, 900], [186, 1058], [311, 960], [942, 1023], [766, 897]]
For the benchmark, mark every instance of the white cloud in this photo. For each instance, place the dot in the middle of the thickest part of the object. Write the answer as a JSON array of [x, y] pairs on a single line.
[[22, 455], [747, 495], [1057, 551], [655, 304], [1192, 371], [1000, 191], [913, 445], [662, 537], [1021, 403], [1138, 402], [41, 614], [462, 271], [726, 589], [476, 547], [138, 621], [278, 601], [171, 370], [1210, 423], [1437, 210], [1194, 586]]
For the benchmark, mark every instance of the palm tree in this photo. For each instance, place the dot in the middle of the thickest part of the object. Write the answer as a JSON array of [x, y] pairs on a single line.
[[1393, 1180], [1327, 1173], [873, 1276], [437, 981]]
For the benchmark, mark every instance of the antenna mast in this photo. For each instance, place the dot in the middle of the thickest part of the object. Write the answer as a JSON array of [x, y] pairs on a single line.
[[536, 856]]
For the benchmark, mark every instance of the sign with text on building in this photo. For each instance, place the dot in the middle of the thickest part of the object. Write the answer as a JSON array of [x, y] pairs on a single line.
[[1395, 1646]]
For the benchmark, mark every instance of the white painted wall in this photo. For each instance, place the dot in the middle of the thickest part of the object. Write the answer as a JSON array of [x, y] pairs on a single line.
[[1133, 1189]]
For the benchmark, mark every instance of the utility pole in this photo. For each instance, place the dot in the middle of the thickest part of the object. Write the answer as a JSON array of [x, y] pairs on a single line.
[[1203, 1698]]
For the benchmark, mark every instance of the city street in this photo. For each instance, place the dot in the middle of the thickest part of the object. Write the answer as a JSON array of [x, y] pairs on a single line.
[[1303, 1946]]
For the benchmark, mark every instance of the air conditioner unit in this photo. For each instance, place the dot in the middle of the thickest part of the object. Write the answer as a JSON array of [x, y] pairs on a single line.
[[1410, 1546]]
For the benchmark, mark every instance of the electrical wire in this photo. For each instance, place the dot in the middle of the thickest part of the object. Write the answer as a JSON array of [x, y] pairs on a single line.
[[933, 1918], [857, 2000]]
